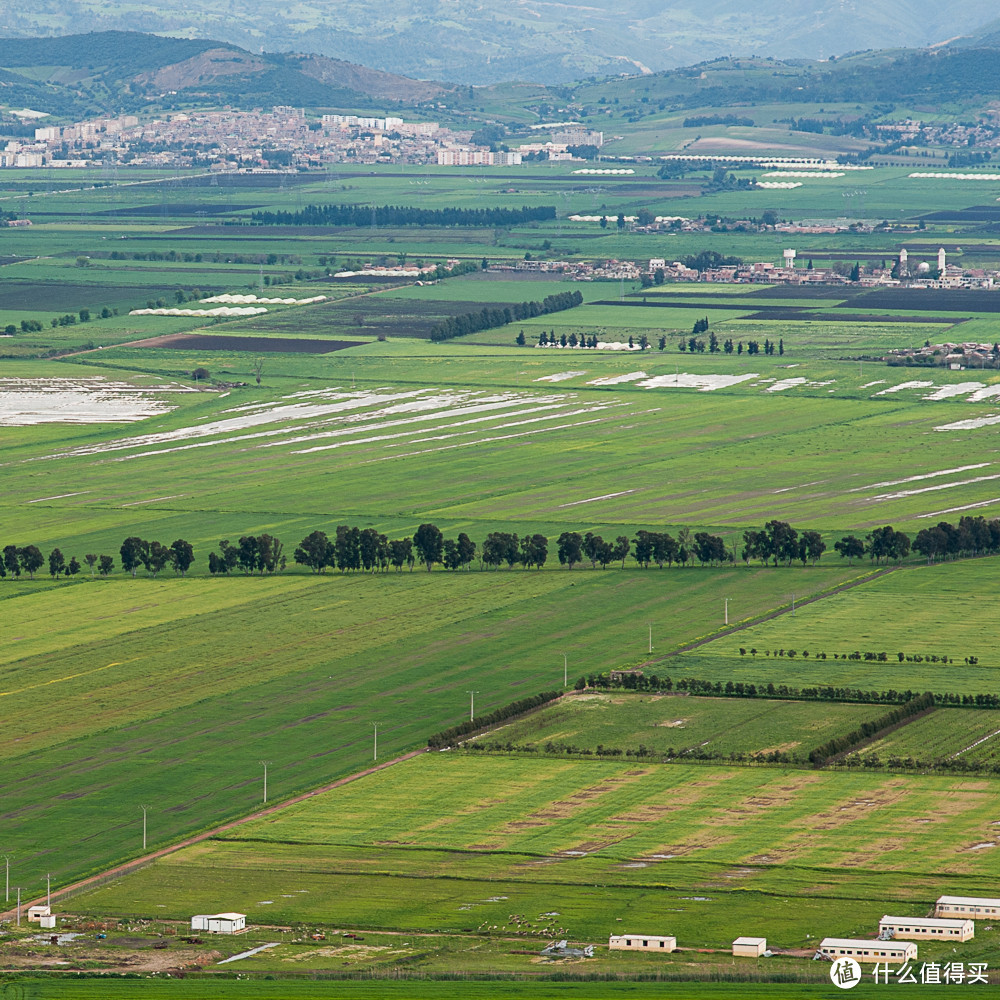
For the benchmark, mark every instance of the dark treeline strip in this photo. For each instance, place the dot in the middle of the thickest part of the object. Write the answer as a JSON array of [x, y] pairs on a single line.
[[837, 745], [869, 656], [252, 554], [677, 755], [949, 765], [636, 680], [517, 708], [490, 318], [404, 215], [642, 752], [369, 550]]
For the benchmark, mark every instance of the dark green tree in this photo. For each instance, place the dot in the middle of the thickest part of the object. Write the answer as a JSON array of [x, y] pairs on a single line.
[[181, 556], [31, 559], [315, 551], [570, 548], [428, 544], [134, 553], [57, 563]]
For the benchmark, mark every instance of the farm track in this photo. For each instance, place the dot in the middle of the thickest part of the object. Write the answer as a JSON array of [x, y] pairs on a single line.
[[732, 630], [129, 866]]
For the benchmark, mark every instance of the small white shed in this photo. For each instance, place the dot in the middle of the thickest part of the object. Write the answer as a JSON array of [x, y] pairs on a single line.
[[35, 913], [47, 922], [219, 923], [750, 947]]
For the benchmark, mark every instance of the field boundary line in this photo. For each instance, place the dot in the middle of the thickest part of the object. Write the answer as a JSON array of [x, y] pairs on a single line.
[[128, 866], [972, 746], [769, 615]]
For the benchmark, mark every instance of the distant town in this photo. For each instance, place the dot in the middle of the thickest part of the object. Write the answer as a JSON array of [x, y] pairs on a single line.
[[282, 138]]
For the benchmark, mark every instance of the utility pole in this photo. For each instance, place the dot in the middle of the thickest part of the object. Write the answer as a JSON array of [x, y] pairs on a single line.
[[6, 898], [565, 671], [375, 755], [472, 704], [651, 638], [48, 891], [727, 611], [144, 808], [18, 906], [265, 763]]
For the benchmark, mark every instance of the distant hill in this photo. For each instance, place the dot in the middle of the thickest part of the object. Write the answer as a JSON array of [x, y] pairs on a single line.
[[542, 41], [115, 71]]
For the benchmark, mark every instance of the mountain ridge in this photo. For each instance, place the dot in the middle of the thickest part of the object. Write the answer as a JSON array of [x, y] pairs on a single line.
[[495, 41], [99, 72]]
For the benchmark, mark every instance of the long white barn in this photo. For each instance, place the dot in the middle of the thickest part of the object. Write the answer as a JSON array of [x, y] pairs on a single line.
[[967, 906], [928, 928], [869, 951]]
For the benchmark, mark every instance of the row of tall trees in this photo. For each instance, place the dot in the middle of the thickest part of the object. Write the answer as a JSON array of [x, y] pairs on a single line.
[[353, 549], [972, 536], [489, 318], [405, 215], [135, 553], [154, 557], [251, 554], [637, 681]]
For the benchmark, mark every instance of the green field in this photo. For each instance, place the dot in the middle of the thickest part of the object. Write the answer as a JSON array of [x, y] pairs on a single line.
[[584, 849], [668, 722], [966, 735], [921, 611], [170, 692]]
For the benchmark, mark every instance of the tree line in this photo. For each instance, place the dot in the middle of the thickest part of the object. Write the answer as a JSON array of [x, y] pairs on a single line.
[[449, 736], [869, 656], [695, 345], [355, 549], [637, 681], [135, 553], [837, 745], [405, 215], [489, 318]]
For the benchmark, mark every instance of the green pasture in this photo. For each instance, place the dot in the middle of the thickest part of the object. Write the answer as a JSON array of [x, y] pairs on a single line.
[[918, 611], [626, 721], [737, 456], [168, 692], [965, 735], [188, 676], [454, 843]]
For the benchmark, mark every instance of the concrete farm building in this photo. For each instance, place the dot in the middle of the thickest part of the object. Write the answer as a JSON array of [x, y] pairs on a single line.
[[927, 928], [750, 947], [219, 923], [641, 942], [869, 951], [967, 906]]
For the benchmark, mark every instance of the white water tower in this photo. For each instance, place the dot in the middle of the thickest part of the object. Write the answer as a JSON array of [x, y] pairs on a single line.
[[789, 256], [942, 259]]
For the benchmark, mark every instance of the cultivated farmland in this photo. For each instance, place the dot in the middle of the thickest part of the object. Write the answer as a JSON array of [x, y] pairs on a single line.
[[702, 851], [170, 691], [624, 720]]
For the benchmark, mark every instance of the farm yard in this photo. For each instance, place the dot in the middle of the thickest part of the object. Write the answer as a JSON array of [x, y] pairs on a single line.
[[168, 690]]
